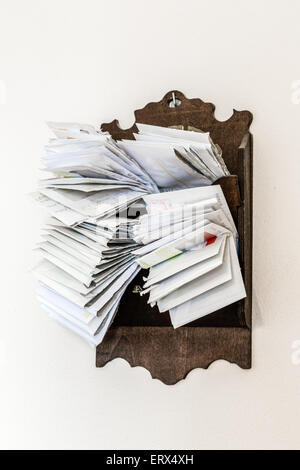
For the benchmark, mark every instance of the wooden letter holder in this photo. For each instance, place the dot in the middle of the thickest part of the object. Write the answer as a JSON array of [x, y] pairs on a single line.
[[141, 334]]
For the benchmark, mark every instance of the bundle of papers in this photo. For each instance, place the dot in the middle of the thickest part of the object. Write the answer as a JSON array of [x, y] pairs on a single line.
[[83, 274], [176, 158], [110, 215], [93, 177], [190, 248], [86, 250]]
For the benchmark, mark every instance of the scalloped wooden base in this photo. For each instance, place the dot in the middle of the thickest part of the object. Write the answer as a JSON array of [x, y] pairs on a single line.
[[169, 355], [142, 335]]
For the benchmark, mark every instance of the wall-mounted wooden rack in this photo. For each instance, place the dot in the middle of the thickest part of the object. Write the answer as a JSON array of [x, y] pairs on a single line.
[[141, 334]]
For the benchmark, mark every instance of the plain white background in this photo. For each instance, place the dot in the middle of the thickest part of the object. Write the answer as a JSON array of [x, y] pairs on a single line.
[[92, 61]]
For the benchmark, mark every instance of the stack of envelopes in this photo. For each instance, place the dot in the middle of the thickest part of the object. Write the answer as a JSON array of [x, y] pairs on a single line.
[[176, 158], [190, 247], [95, 241], [86, 246]]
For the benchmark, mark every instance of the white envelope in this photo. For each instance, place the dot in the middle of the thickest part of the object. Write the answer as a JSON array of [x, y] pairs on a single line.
[[161, 162], [214, 299], [198, 234], [198, 271], [187, 259], [218, 276]]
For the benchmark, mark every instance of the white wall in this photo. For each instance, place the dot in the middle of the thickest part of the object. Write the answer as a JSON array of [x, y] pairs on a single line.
[[92, 61]]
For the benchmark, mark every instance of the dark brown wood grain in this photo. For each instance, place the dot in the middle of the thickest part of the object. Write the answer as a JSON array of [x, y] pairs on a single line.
[[141, 334], [170, 355]]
